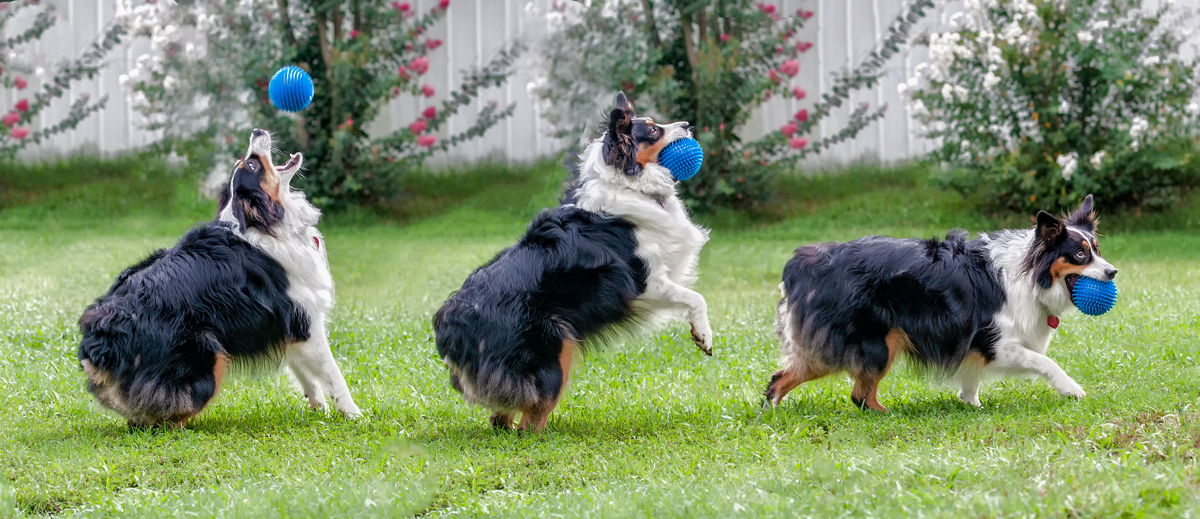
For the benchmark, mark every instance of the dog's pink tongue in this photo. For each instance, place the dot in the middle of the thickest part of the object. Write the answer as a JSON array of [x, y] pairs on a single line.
[[1052, 321]]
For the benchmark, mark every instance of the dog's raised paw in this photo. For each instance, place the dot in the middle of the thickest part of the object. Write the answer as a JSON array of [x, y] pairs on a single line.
[[703, 340]]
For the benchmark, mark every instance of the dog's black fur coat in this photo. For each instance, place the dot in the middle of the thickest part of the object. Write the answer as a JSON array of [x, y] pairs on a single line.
[[573, 275], [157, 333], [943, 294]]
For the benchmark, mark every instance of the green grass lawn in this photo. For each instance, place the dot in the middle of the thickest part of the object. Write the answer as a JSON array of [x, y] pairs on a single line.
[[648, 428]]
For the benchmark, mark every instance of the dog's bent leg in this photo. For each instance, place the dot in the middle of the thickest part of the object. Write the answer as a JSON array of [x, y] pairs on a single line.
[[789, 378], [663, 290], [876, 362], [1012, 356], [533, 418], [316, 359], [312, 391]]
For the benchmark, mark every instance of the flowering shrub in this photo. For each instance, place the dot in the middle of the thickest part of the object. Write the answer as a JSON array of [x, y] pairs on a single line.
[[706, 62], [204, 92], [1037, 104], [15, 131]]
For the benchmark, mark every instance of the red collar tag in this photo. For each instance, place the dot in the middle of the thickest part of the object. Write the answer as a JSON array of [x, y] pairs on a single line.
[[1052, 322], [317, 241]]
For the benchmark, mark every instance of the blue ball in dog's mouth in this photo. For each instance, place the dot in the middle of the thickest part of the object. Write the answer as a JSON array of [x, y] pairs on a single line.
[[683, 157], [1092, 296]]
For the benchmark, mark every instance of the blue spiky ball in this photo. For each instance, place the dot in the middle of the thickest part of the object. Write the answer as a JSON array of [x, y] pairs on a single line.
[[291, 89], [1094, 297], [683, 157]]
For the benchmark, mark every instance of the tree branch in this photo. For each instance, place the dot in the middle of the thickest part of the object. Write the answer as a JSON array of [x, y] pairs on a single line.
[[651, 25]]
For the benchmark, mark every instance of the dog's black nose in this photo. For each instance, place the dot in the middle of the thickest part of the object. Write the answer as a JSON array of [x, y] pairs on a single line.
[[684, 125], [1111, 273], [257, 133]]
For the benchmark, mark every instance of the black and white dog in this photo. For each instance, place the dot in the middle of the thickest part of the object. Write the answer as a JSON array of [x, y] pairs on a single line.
[[254, 284], [620, 252], [970, 308]]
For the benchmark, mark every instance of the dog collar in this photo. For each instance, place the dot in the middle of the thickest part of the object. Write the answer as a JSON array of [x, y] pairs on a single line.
[[1052, 321], [317, 242]]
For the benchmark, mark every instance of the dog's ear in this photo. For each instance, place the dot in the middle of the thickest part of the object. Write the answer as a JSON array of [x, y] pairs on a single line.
[[1049, 229], [1084, 217], [253, 208], [619, 147]]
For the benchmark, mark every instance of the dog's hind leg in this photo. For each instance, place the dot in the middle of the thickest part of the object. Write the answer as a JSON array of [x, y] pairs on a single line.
[[534, 417], [502, 420], [877, 360], [668, 293], [315, 359], [789, 378]]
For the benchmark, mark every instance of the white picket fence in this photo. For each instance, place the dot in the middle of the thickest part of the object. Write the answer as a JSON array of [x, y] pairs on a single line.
[[844, 32]]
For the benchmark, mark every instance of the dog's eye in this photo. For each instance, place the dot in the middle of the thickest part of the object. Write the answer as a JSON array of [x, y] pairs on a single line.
[[1081, 254]]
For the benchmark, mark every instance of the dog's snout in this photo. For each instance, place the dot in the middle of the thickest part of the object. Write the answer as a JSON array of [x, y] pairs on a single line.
[[257, 133], [1111, 273], [684, 125]]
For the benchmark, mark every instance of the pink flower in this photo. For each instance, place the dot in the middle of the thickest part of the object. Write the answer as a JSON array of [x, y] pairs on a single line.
[[349, 122], [395, 92], [21, 83], [767, 95], [426, 140], [443, 4], [779, 49], [790, 67], [428, 90], [23, 105], [420, 65], [774, 76], [788, 129], [803, 46], [429, 113], [20, 133], [403, 72], [767, 8], [804, 14], [433, 44], [402, 7], [11, 118], [417, 127], [798, 142], [722, 126], [353, 35], [802, 115], [724, 38], [799, 93]]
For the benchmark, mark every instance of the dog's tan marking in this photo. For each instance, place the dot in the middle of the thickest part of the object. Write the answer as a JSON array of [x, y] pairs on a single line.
[[533, 418], [649, 153], [270, 180], [1062, 268], [785, 380], [866, 383]]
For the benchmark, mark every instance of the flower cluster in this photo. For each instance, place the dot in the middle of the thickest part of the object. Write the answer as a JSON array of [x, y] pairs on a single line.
[[15, 132], [711, 63], [205, 78], [1016, 91]]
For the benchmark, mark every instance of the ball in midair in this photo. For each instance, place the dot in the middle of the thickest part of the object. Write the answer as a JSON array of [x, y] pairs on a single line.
[[1094, 297], [291, 89], [683, 157]]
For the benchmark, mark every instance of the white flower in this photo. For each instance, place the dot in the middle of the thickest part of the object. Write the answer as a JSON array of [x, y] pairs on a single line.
[[902, 88], [994, 55], [123, 79], [1150, 61], [169, 82], [917, 109], [961, 93], [1139, 127], [1099, 25], [139, 98], [1193, 108], [1064, 106], [990, 81], [948, 92], [39, 71], [965, 144], [1011, 32], [1069, 163], [1097, 160], [1085, 37]]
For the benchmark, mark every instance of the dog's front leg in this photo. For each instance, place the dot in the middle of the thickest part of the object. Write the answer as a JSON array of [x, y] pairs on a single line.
[[1011, 355], [663, 291]]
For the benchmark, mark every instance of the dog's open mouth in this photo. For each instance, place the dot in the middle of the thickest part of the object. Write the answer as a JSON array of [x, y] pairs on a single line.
[[291, 163], [1071, 279]]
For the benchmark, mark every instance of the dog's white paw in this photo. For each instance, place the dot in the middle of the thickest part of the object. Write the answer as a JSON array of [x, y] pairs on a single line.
[[972, 399], [702, 335], [1071, 389]]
